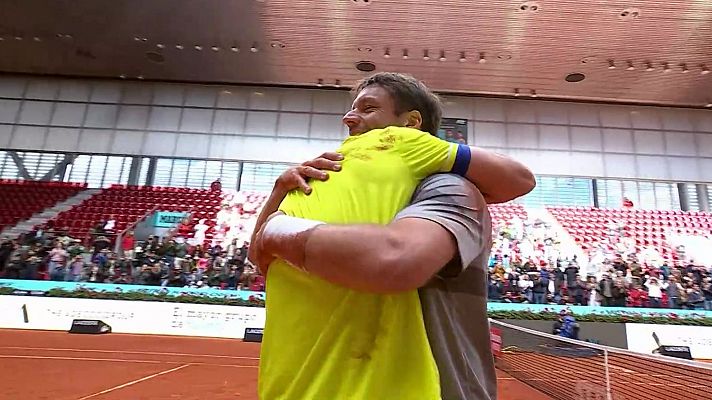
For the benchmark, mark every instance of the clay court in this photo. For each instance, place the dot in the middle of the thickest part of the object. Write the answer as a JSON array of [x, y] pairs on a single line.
[[63, 366]]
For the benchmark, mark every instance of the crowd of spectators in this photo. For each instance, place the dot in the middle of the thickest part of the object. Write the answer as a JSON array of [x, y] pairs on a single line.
[[528, 266], [173, 262]]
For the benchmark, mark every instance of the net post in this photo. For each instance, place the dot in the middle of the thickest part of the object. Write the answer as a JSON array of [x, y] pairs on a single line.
[[608, 375]]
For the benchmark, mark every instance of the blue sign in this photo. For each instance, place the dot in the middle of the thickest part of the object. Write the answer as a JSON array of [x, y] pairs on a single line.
[[168, 219]]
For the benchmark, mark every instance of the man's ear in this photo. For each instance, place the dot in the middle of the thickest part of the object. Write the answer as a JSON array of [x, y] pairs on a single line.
[[413, 119]]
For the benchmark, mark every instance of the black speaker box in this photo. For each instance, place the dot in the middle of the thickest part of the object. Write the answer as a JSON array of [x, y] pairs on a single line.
[[89, 326], [253, 335], [675, 351]]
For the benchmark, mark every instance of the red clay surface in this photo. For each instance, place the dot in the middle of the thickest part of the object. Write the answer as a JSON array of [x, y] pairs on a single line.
[[62, 366]]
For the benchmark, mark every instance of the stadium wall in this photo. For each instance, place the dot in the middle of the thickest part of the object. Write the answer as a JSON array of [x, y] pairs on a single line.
[[141, 317], [291, 125]]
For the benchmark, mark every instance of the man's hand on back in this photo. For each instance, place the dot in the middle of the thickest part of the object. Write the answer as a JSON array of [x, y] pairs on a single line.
[[296, 177]]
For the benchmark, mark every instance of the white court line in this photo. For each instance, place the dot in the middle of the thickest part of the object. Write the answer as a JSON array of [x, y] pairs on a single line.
[[84, 359], [145, 378], [119, 360], [153, 353]]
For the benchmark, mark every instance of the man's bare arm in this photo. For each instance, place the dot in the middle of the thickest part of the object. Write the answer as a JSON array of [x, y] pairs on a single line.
[[397, 257], [499, 178]]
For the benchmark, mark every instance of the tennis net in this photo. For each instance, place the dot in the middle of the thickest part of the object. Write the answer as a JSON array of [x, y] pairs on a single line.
[[568, 369]]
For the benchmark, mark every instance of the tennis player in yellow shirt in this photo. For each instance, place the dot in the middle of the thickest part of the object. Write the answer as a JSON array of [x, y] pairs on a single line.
[[324, 341]]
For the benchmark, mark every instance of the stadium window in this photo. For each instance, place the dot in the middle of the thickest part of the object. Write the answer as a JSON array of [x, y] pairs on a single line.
[[162, 176], [630, 190], [230, 175], [117, 171], [566, 191], [260, 176], [179, 174], [213, 171], [143, 172], [709, 196], [646, 192], [666, 196], [78, 169], [96, 171], [8, 169], [196, 174]]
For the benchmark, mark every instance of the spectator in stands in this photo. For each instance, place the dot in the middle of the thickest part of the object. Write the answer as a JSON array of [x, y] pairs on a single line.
[[695, 298], [627, 203], [76, 267], [128, 244], [57, 261], [620, 291], [674, 291], [654, 291], [216, 186], [525, 287], [637, 297], [578, 291], [539, 289], [605, 289], [495, 288], [707, 291], [110, 225], [593, 292]]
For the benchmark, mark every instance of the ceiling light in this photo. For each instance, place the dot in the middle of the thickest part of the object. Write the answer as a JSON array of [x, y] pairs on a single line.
[[705, 70], [234, 49], [18, 37], [277, 44], [426, 57], [666, 67], [363, 49], [136, 38], [254, 48], [67, 36], [405, 54], [320, 82], [387, 53], [179, 46], [337, 83], [36, 39], [215, 48], [161, 46], [365, 66], [575, 77], [462, 56], [631, 67], [122, 76], [709, 105], [533, 93], [198, 47], [482, 58], [684, 68], [611, 64], [1, 38], [442, 56], [139, 77], [516, 92], [649, 66]]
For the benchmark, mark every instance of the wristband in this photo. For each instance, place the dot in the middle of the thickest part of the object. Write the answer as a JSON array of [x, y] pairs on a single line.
[[286, 235]]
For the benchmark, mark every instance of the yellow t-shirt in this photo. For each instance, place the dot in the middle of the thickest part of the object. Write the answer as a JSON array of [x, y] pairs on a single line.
[[322, 341]]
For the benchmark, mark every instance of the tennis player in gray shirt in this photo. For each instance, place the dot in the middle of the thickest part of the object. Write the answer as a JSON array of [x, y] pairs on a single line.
[[442, 251]]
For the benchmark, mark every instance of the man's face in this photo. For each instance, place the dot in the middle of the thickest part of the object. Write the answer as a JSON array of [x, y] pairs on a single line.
[[373, 108]]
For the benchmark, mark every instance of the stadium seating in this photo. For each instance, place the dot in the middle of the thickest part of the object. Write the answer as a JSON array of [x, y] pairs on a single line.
[[589, 226], [128, 204], [21, 199]]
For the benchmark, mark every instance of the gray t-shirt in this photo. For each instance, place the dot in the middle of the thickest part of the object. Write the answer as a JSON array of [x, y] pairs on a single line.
[[454, 302]]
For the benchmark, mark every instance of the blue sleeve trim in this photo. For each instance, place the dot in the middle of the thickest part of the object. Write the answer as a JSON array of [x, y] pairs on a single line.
[[462, 160]]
